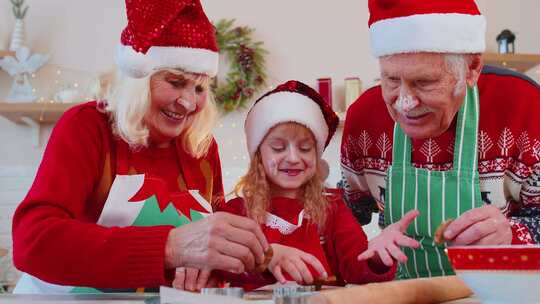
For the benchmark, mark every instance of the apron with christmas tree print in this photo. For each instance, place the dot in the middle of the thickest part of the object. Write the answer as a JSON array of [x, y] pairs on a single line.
[[136, 200], [438, 195]]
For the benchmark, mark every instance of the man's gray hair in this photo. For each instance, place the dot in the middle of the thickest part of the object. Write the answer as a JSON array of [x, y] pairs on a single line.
[[457, 65]]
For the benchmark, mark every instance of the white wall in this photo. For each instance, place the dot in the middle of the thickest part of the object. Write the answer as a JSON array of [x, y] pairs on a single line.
[[307, 39]]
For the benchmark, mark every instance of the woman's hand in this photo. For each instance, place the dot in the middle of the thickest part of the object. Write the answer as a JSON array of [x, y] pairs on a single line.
[[485, 225], [386, 245], [294, 262], [221, 241], [193, 279]]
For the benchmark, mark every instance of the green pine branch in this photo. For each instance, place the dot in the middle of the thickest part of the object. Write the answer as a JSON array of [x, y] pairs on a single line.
[[247, 74]]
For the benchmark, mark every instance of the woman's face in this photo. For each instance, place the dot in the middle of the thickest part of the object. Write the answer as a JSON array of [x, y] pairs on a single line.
[[289, 157], [175, 99]]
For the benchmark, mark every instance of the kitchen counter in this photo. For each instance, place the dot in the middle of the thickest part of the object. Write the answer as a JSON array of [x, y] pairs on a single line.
[[116, 299], [79, 299]]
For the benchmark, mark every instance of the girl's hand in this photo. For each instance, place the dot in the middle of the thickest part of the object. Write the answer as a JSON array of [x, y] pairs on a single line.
[[386, 245], [294, 262]]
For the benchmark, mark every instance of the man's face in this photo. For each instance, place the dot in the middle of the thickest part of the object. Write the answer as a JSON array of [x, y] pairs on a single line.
[[420, 93]]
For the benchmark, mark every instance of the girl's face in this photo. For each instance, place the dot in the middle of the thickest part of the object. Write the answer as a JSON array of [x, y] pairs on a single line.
[[289, 157], [175, 98]]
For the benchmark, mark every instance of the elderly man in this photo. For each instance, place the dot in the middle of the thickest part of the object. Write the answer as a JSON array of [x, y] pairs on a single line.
[[443, 135]]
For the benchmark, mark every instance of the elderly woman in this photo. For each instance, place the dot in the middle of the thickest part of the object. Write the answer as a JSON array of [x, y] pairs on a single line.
[[121, 180]]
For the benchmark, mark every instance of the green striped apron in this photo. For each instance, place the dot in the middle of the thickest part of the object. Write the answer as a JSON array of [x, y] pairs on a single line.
[[438, 195]]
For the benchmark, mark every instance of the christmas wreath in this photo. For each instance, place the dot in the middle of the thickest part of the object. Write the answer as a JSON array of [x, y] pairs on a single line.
[[247, 74]]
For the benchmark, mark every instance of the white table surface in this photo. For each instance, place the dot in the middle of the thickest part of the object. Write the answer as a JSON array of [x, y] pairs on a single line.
[[76, 299], [114, 299]]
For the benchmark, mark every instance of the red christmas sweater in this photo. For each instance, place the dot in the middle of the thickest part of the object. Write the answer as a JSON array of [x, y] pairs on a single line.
[[508, 151], [337, 246], [55, 235]]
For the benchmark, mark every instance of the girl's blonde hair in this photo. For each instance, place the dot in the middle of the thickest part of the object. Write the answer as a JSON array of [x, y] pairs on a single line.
[[255, 189], [128, 100]]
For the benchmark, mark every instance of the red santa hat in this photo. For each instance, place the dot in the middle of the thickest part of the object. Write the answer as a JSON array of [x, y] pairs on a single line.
[[167, 34], [438, 26], [292, 101]]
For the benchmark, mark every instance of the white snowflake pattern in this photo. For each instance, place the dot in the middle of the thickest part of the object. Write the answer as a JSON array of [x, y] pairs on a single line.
[[384, 145], [506, 141], [536, 149], [364, 142], [523, 144], [484, 143], [430, 149]]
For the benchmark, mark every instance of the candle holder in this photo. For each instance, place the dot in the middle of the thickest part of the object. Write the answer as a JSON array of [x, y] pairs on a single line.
[[353, 88], [324, 86]]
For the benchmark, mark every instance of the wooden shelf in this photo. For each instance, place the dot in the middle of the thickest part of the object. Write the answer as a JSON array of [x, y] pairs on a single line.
[[34, 114], [518, 62], [6, 53], [40, 112]]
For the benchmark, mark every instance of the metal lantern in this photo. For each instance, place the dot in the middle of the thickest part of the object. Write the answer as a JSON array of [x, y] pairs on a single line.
[[506, 42]]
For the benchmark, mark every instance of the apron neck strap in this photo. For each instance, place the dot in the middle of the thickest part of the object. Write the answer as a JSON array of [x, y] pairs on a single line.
[[466, 139], [401, 147]]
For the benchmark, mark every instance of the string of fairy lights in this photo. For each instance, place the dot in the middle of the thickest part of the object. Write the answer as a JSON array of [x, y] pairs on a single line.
[[59, 85], [229, 130]]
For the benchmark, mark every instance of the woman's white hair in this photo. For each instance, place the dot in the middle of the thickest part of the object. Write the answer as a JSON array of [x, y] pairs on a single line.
[[128, 100]]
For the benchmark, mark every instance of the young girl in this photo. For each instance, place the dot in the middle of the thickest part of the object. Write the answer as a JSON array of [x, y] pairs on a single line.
[[313, 235]]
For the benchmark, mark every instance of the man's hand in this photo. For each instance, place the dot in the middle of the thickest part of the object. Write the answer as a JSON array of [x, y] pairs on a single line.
[[480, 226]]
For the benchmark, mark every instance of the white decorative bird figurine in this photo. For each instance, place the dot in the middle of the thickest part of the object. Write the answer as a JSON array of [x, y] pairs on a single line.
[[20, 67]]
